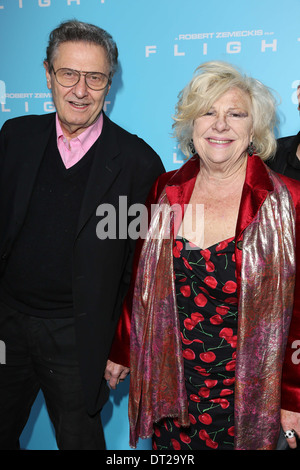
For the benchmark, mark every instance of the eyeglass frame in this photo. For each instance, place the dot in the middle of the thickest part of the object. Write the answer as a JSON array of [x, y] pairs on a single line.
[[79, 77]]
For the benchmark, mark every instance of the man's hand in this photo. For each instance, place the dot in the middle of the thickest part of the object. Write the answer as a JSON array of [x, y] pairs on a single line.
[[115, 373], [290, 420]]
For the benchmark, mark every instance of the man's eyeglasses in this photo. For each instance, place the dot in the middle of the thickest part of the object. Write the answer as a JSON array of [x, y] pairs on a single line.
[[68, 77]]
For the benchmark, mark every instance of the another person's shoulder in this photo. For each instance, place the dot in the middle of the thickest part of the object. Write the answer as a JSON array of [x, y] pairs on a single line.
[[284, 142], [293, 186], [284, 146]]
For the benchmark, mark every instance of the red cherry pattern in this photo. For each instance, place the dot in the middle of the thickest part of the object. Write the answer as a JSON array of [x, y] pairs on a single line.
[[207, 305]]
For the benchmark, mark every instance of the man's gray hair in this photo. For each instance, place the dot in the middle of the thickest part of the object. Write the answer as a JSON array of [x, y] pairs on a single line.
[[75, 30]]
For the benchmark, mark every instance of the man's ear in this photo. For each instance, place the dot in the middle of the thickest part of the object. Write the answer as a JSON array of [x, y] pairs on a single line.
[[48, 75]]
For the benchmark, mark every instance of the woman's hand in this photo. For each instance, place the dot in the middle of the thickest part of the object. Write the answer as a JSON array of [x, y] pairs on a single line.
[[290, 420]]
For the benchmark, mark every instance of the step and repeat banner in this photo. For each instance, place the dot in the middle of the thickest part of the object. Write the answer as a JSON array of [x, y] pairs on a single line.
[[161, 43]]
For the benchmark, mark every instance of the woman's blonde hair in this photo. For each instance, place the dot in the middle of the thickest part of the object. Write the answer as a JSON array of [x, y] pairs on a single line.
[[210, 82]]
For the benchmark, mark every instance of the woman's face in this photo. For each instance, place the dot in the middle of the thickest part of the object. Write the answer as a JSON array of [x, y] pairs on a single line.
[[223, 134]]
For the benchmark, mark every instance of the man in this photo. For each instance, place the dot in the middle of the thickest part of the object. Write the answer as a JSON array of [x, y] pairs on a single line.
[[62, 283], [287, 158]]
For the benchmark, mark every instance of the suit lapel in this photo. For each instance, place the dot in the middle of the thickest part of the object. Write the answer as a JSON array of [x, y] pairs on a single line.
[[103, 172], [33, 151]]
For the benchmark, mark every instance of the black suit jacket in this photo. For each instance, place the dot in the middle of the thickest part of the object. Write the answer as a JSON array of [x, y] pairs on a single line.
[[124, 165], [285, 161]]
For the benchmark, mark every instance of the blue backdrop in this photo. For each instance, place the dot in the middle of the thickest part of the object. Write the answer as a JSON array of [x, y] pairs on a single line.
[[161, 42]]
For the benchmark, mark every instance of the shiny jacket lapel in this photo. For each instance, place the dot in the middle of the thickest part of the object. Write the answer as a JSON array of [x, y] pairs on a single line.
[[256, 188]]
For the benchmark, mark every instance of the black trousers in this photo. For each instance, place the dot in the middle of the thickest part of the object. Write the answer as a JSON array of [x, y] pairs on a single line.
[[41, 355]]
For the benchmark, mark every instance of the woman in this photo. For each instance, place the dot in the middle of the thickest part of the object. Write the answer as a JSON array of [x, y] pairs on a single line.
[[212, 306]]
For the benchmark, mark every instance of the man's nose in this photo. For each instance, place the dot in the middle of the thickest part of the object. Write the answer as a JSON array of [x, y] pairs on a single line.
[[81, 89]]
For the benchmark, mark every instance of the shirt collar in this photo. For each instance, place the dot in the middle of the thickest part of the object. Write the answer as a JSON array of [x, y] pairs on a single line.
[[88, 136]]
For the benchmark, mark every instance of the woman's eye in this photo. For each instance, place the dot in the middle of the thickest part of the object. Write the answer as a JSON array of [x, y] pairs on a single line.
[[238, 115]]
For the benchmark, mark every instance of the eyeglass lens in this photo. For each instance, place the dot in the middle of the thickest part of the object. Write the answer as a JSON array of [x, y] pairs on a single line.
[[69, 77]]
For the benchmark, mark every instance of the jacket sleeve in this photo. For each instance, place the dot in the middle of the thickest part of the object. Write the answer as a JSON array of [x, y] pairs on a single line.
[[120, 349], [290, 399]]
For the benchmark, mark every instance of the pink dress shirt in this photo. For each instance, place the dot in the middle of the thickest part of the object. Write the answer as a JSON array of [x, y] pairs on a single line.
[[72, 151]]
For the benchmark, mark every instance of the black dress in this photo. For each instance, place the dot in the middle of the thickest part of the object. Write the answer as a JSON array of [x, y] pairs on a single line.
[[207, 304]]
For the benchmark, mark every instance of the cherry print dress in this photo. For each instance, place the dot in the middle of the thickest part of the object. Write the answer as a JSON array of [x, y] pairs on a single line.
[[207, 304]]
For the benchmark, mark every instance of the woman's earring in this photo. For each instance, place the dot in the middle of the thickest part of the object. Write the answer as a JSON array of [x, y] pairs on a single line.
[[192, 148], [251, 149]]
